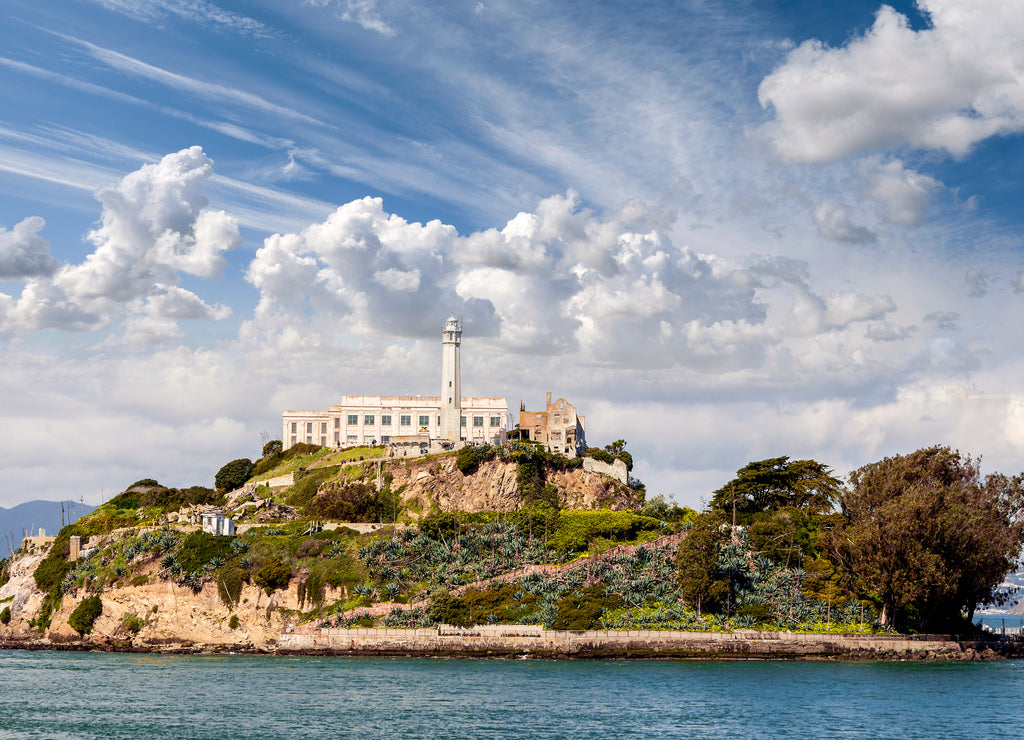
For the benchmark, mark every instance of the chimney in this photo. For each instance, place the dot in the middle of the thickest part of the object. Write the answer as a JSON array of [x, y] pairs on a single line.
[[547, 402]]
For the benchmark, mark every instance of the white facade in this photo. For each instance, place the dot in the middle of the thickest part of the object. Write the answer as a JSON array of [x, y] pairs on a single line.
[[215, 523], [368, 420]]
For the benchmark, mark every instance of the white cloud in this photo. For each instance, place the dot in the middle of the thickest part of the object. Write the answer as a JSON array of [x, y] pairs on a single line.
[[901, 194], [154, 226], [362, 12], [23, 253], [944, 87], [834, 223], [198, 11]]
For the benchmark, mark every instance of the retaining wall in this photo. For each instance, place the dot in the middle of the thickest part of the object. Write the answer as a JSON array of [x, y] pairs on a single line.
[[534, 640]]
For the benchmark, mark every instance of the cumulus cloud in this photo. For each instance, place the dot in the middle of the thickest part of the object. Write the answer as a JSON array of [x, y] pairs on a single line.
[[944, 87], [23, 253], [611, 290], [901, 194], [372, 270], [833, 222], [155, 225]]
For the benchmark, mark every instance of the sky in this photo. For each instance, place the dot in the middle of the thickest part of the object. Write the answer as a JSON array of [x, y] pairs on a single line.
[[724, 230]]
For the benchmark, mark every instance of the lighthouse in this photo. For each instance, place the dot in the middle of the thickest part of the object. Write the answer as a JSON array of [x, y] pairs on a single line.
[[451, 380]]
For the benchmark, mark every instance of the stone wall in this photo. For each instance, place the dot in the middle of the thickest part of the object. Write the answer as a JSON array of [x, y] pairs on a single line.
[[616, 469], [536, 641]]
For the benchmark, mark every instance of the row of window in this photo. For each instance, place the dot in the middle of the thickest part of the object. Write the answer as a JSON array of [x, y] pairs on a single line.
[[385, 420]]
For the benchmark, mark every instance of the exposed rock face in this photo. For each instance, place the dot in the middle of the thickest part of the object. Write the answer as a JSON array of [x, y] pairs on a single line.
[[174, 615], [493, 487]]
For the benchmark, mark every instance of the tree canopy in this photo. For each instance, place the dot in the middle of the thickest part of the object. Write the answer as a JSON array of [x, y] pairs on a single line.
[[930, 536], [234, 474], [778, 483]]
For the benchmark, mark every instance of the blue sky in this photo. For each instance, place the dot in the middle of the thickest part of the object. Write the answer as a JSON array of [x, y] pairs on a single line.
[[726, 231]]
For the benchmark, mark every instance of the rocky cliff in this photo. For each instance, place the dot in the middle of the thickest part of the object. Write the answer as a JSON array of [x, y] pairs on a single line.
[[492, 487]]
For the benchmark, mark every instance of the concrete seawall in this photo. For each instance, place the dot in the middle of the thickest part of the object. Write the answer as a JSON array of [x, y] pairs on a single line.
[[531, 640]]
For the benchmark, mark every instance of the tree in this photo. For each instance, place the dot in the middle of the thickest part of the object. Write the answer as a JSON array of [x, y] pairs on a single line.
[[617, 449], [233, 475], [697, 559], [929, 536], [778, 483], [272, 447]]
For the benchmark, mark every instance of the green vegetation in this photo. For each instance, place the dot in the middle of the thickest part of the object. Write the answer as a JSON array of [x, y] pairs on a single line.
[[5, 570], [578, 529], [273, 575], [779, 483], [233, 623], [930, 537], [234, 474], [919, 542], [5, 615], [132, 623], [86, 614]]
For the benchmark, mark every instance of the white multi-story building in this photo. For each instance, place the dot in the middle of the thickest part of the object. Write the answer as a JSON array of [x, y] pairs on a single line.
[[417, 422]]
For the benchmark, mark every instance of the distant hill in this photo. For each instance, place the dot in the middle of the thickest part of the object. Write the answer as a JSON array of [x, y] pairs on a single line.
[[26, 519]]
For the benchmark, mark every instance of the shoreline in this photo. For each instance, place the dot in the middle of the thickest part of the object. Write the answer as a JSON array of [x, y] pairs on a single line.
[[530, 642]]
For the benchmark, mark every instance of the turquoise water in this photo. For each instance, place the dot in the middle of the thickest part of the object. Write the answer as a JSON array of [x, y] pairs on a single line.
[[99, 695]]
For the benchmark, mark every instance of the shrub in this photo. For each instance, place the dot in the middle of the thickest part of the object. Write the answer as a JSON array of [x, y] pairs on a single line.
[[307, 483], [5, 571], [229, 583], [273, 447], [576, 528], [199, 548], [5, 615], [272, 575], [233, 622], [350, 502], [144, 483], [85, 614], [234, 474], [132, 622], [312, 589], [447, 609], [582, 609]]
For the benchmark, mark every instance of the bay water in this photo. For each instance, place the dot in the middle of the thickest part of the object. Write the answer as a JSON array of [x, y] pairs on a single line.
[[111, 696]]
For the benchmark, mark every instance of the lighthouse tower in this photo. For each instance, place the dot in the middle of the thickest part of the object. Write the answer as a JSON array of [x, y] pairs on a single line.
[[451, 380]]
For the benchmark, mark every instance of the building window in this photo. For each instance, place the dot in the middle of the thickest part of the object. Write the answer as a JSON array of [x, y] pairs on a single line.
[[385, 419], [323, 441], [294, 427], [337, 439], [462, 422], [323, 427], [406, 420], [424, 421], [368, 419], [309, 427], [337, 422], [478, 421], [495, 421], [353, 418], [293, 437], [352, 439]]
